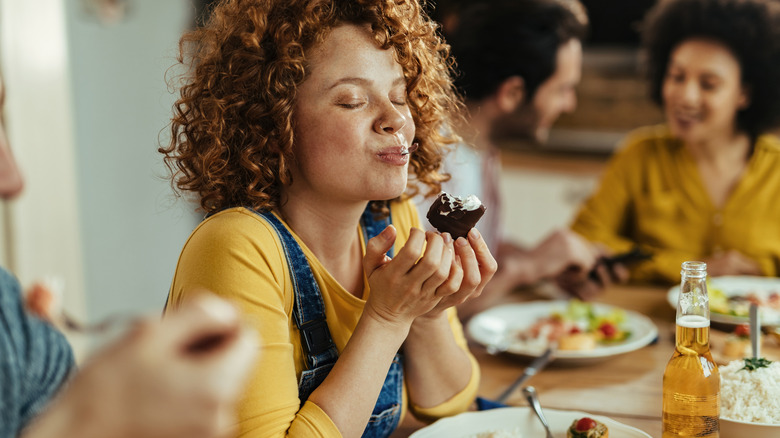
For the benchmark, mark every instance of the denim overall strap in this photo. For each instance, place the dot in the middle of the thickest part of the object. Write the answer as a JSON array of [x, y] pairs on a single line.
[[308, 308]]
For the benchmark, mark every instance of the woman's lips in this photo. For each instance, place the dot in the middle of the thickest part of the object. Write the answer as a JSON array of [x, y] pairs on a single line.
[[397, 156], [683, 121]]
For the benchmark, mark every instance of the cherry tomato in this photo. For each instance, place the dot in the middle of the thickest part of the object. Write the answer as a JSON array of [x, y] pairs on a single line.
[[608, 329], [585, 423], [742, 330], [574, 330]]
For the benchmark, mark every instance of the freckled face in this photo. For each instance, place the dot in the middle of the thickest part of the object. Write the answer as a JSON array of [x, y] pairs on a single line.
[[353, 127], [702, 91]]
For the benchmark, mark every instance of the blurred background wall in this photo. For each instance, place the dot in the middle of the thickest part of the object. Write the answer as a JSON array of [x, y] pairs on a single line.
[[87, 108], [132, 227]]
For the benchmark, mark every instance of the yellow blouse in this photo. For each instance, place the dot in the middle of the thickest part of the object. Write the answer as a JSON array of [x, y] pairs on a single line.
[[651, 195], [237, 255]]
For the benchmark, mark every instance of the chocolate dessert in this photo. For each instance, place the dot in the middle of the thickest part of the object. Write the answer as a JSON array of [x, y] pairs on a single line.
[[455, 215]]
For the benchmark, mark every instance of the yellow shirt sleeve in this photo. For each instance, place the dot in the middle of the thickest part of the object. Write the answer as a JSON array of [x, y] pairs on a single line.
[[461, 401]]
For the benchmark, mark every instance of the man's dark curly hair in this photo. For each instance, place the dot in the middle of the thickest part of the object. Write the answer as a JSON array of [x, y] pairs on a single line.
[[232, 127], [750, 29], [493, 40]]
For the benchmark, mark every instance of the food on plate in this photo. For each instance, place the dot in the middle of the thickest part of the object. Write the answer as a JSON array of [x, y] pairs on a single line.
[[750, 391], [455, 215], [587, 427], [501, 433], [579, 327], [577, 341], [739, 304], [737, 344]]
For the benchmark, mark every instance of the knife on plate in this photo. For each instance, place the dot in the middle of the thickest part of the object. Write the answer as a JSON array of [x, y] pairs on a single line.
[[530, 371]]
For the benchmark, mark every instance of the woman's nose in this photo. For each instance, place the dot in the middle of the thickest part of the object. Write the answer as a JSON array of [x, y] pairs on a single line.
[[690, 92], [390, 120]]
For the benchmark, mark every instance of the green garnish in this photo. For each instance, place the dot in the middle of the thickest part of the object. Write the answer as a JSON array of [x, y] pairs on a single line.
[[754, 363]]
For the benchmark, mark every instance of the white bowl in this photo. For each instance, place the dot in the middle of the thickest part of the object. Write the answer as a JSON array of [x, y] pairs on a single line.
[[741, 429]]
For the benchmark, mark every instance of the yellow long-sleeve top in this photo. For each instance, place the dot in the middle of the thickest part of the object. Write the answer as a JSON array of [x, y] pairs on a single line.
[[238, 255], [651, 194]]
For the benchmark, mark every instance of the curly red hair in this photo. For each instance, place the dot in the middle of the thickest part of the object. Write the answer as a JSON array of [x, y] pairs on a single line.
[[232, 128]]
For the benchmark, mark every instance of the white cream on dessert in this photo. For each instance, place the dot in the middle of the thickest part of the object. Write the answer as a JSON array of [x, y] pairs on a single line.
[[469, 203]]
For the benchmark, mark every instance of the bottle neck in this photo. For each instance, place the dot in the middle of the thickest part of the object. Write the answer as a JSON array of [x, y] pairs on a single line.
[[693, 299]]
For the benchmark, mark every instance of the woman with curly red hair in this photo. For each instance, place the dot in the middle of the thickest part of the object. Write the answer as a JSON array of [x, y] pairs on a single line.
[[299, 127]]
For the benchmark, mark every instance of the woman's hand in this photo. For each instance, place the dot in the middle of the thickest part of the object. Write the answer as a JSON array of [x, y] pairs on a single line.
[[564, 250], [731, 262], [473, 267], [588, 280], [415, 280]]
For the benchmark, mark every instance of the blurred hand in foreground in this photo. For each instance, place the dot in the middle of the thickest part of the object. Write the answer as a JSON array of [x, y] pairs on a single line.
[[178, 377]]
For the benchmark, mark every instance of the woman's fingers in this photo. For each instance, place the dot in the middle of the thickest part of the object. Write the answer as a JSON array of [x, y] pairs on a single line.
[[442, 280], [376, 249], [486, 264], [433, 268], [407, 257]]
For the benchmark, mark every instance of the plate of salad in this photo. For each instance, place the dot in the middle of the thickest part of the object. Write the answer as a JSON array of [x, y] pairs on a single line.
[[731, 296], [581, 331]]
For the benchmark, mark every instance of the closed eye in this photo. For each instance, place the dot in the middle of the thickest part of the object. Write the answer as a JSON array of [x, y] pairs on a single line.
[[352, 104]]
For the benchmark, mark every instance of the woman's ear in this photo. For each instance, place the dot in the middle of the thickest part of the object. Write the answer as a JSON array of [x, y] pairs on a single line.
[[510, 94], [744, 97]]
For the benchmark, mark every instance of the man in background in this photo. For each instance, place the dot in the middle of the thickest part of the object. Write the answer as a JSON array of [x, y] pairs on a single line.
[[517, 60]]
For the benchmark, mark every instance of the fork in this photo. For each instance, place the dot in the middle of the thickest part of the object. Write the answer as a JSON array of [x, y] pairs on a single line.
[[44, 298], [533, 400]]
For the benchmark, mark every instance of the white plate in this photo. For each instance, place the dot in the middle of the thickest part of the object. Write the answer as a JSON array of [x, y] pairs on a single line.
[[737, 285], [523, 420], [493, 325]]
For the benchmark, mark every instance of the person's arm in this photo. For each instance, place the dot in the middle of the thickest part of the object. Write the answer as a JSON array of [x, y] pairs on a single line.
[[442, 376], [35, 360], [562, 250], [606, 215], [422, 276], [164, 379]]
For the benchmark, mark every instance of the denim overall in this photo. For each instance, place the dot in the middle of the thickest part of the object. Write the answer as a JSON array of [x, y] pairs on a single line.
[[318, 346]]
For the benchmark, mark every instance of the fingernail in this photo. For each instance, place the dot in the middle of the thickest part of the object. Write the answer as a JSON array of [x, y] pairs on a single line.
[[474, 234], [447, 238], [386, 233], [461, 242]]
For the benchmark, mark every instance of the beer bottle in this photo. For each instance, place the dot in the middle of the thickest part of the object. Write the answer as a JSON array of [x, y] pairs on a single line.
[[691, 386]]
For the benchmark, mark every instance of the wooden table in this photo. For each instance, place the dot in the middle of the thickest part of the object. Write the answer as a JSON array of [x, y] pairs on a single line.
[[626, 388]]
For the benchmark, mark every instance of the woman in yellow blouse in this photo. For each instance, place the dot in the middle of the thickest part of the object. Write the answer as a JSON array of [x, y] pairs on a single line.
[[705, 185], [297, 128]]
